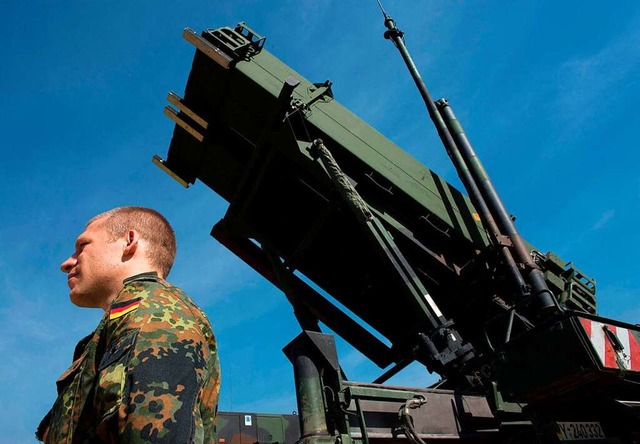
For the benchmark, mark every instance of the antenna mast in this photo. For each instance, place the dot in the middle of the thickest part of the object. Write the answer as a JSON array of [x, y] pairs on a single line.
[[482, 193]]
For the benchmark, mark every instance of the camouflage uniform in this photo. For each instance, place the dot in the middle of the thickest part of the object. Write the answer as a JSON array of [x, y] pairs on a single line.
[[148, 373]]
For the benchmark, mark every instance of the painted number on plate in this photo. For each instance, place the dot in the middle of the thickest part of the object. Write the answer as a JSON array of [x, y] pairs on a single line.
[[573, 431]]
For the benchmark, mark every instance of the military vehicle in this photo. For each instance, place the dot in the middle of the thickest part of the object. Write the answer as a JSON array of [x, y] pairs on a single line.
[[336, 215], [252, 428]]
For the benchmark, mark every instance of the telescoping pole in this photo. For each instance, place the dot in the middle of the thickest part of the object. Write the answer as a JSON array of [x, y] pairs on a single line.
[[480, 188], [543, 297]]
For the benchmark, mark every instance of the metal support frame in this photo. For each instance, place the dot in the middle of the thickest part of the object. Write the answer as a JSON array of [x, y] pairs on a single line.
[[331, 408], [442, 348], [299, 293], [319, 389]]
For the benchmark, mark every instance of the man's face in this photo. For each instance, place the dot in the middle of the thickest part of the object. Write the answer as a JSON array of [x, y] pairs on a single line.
[[94, 268]]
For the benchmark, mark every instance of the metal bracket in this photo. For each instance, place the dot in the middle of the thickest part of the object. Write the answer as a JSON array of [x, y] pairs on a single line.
[[240, 43], [207, 48], [162, 164], [177, 101], [225, 45], [197, 133], [318, 91], [504, 241]]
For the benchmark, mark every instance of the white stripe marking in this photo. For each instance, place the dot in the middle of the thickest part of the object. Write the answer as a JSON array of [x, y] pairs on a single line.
[[623, 335], [433, 305], [598, 340]]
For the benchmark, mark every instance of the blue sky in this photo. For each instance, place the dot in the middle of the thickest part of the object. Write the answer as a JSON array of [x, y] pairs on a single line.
[[547, 92]]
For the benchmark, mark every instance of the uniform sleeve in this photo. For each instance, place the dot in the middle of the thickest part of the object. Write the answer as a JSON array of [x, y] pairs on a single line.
[[161, 388], [157, 368]]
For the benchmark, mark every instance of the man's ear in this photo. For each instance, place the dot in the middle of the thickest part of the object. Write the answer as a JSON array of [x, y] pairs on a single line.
[[132, 237]]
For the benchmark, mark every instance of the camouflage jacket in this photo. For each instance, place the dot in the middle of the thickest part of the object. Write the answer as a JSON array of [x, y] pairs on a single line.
[[148, 373]]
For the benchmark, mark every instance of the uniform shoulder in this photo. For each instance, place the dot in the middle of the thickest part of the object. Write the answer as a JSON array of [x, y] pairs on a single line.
[[149, 303]]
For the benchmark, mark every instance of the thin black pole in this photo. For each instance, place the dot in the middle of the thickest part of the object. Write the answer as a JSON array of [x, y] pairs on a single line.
[[480, 188], [543, 297]]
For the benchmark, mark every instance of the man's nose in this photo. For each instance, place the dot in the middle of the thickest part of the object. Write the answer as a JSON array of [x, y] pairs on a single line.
[[68, 264]]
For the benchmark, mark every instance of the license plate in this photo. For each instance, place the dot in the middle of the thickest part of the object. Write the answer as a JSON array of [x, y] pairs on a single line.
[[574, 431]]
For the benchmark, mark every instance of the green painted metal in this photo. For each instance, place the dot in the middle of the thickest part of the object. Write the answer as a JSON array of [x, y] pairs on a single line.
[[370, 147], [290, 209], [249, 139], [434, 225], [257, 428], [318, 388], [310, 398], [373, 393]]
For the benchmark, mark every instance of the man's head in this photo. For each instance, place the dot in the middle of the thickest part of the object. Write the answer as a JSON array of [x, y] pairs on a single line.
[[115, 245]]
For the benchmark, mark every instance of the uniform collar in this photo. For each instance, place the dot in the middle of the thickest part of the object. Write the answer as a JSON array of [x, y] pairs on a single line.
[[148, 276], [129, 291]]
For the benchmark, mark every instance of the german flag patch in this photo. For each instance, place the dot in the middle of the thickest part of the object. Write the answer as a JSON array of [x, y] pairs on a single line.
[[122, 308]]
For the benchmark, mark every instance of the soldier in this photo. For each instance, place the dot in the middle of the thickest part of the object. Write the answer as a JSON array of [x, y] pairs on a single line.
[[149, 372]]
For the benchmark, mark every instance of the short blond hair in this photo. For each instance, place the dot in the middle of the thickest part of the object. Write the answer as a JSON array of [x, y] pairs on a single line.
[[150, 225]]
